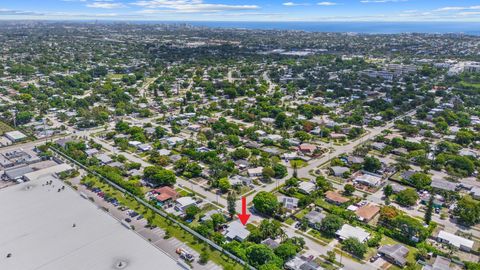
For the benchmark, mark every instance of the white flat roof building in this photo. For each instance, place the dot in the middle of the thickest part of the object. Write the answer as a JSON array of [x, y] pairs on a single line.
[[15, 136], [348, 231], [47, 172], [455, 240], [39, 233]]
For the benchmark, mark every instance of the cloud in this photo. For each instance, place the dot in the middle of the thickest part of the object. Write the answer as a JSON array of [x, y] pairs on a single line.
[[327, 4], [10, 12], [457, 8], [105, 5], [292, 4], [190, 6]]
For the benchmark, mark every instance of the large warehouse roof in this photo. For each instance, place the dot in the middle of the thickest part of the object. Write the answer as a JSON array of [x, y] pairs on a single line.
[[37, 229]]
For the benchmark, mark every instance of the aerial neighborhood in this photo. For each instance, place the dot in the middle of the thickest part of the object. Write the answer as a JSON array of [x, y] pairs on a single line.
[[351, 151]]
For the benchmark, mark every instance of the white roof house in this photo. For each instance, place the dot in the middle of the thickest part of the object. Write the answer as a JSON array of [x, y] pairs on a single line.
[[236, 231], [144, 147], [255, 172], [15, 136], [104, 158], [164, 152], [306, 187], [455, 240], [172, 141], [184, 202], [369, 179], [348, 231]]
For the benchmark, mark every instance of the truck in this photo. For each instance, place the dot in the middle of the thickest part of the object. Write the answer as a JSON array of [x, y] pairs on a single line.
[[185, 255]]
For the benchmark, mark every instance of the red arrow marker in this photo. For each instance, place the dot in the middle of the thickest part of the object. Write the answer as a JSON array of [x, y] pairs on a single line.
[[244, 216]]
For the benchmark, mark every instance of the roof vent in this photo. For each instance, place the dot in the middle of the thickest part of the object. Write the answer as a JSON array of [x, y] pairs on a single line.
[[121, 265]]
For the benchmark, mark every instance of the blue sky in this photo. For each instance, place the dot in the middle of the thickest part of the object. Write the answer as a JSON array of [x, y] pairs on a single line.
[[244, 10]]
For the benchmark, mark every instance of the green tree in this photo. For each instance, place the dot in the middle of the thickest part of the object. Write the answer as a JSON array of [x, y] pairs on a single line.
[[280, 120], [231, 204], [266, 203], [286, 251], [259, 254], [331, 256], [354, 247], [204, 257], [420, 180], [468, 211], [429, 211], [348, 190], [270, 229], [323, 184], [224, 185], [159, 176], [268, 173], [407, 197], [191, 212], [388, 190], [372, 164], [280, 170], [331, 224]]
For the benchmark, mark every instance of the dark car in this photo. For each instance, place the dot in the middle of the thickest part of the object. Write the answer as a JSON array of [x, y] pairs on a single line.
[[128, 220]]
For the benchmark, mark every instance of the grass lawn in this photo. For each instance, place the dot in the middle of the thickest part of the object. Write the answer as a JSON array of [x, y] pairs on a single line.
[[347, 255], [115, 76], [301, 214], [320, 236], [326, 265], [467, 84], [289, 221], [300, 163], [4, 128]]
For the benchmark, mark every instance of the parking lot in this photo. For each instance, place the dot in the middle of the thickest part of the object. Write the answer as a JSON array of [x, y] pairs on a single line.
[[154, 235]]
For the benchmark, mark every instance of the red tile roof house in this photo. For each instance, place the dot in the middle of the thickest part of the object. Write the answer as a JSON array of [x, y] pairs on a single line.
[[164, 194], [307, 148]]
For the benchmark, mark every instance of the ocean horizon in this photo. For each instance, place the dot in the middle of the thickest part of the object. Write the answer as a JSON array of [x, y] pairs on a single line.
[[468, 28]]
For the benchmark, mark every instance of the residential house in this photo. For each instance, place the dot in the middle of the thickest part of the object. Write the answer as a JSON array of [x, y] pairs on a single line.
[[255, 172], [355, 160], [270, 243], [165, 194], [184, 202], [396, 254], [289, 203], [238, 180], [236, 231], [104, 158], [335, 198], [302, 263], [368, 179], [314, 219], [444, 185], [367, 212], [307, 148], [455, 240], [306, 187], [440, 263], [348, 231], [339, 171]]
